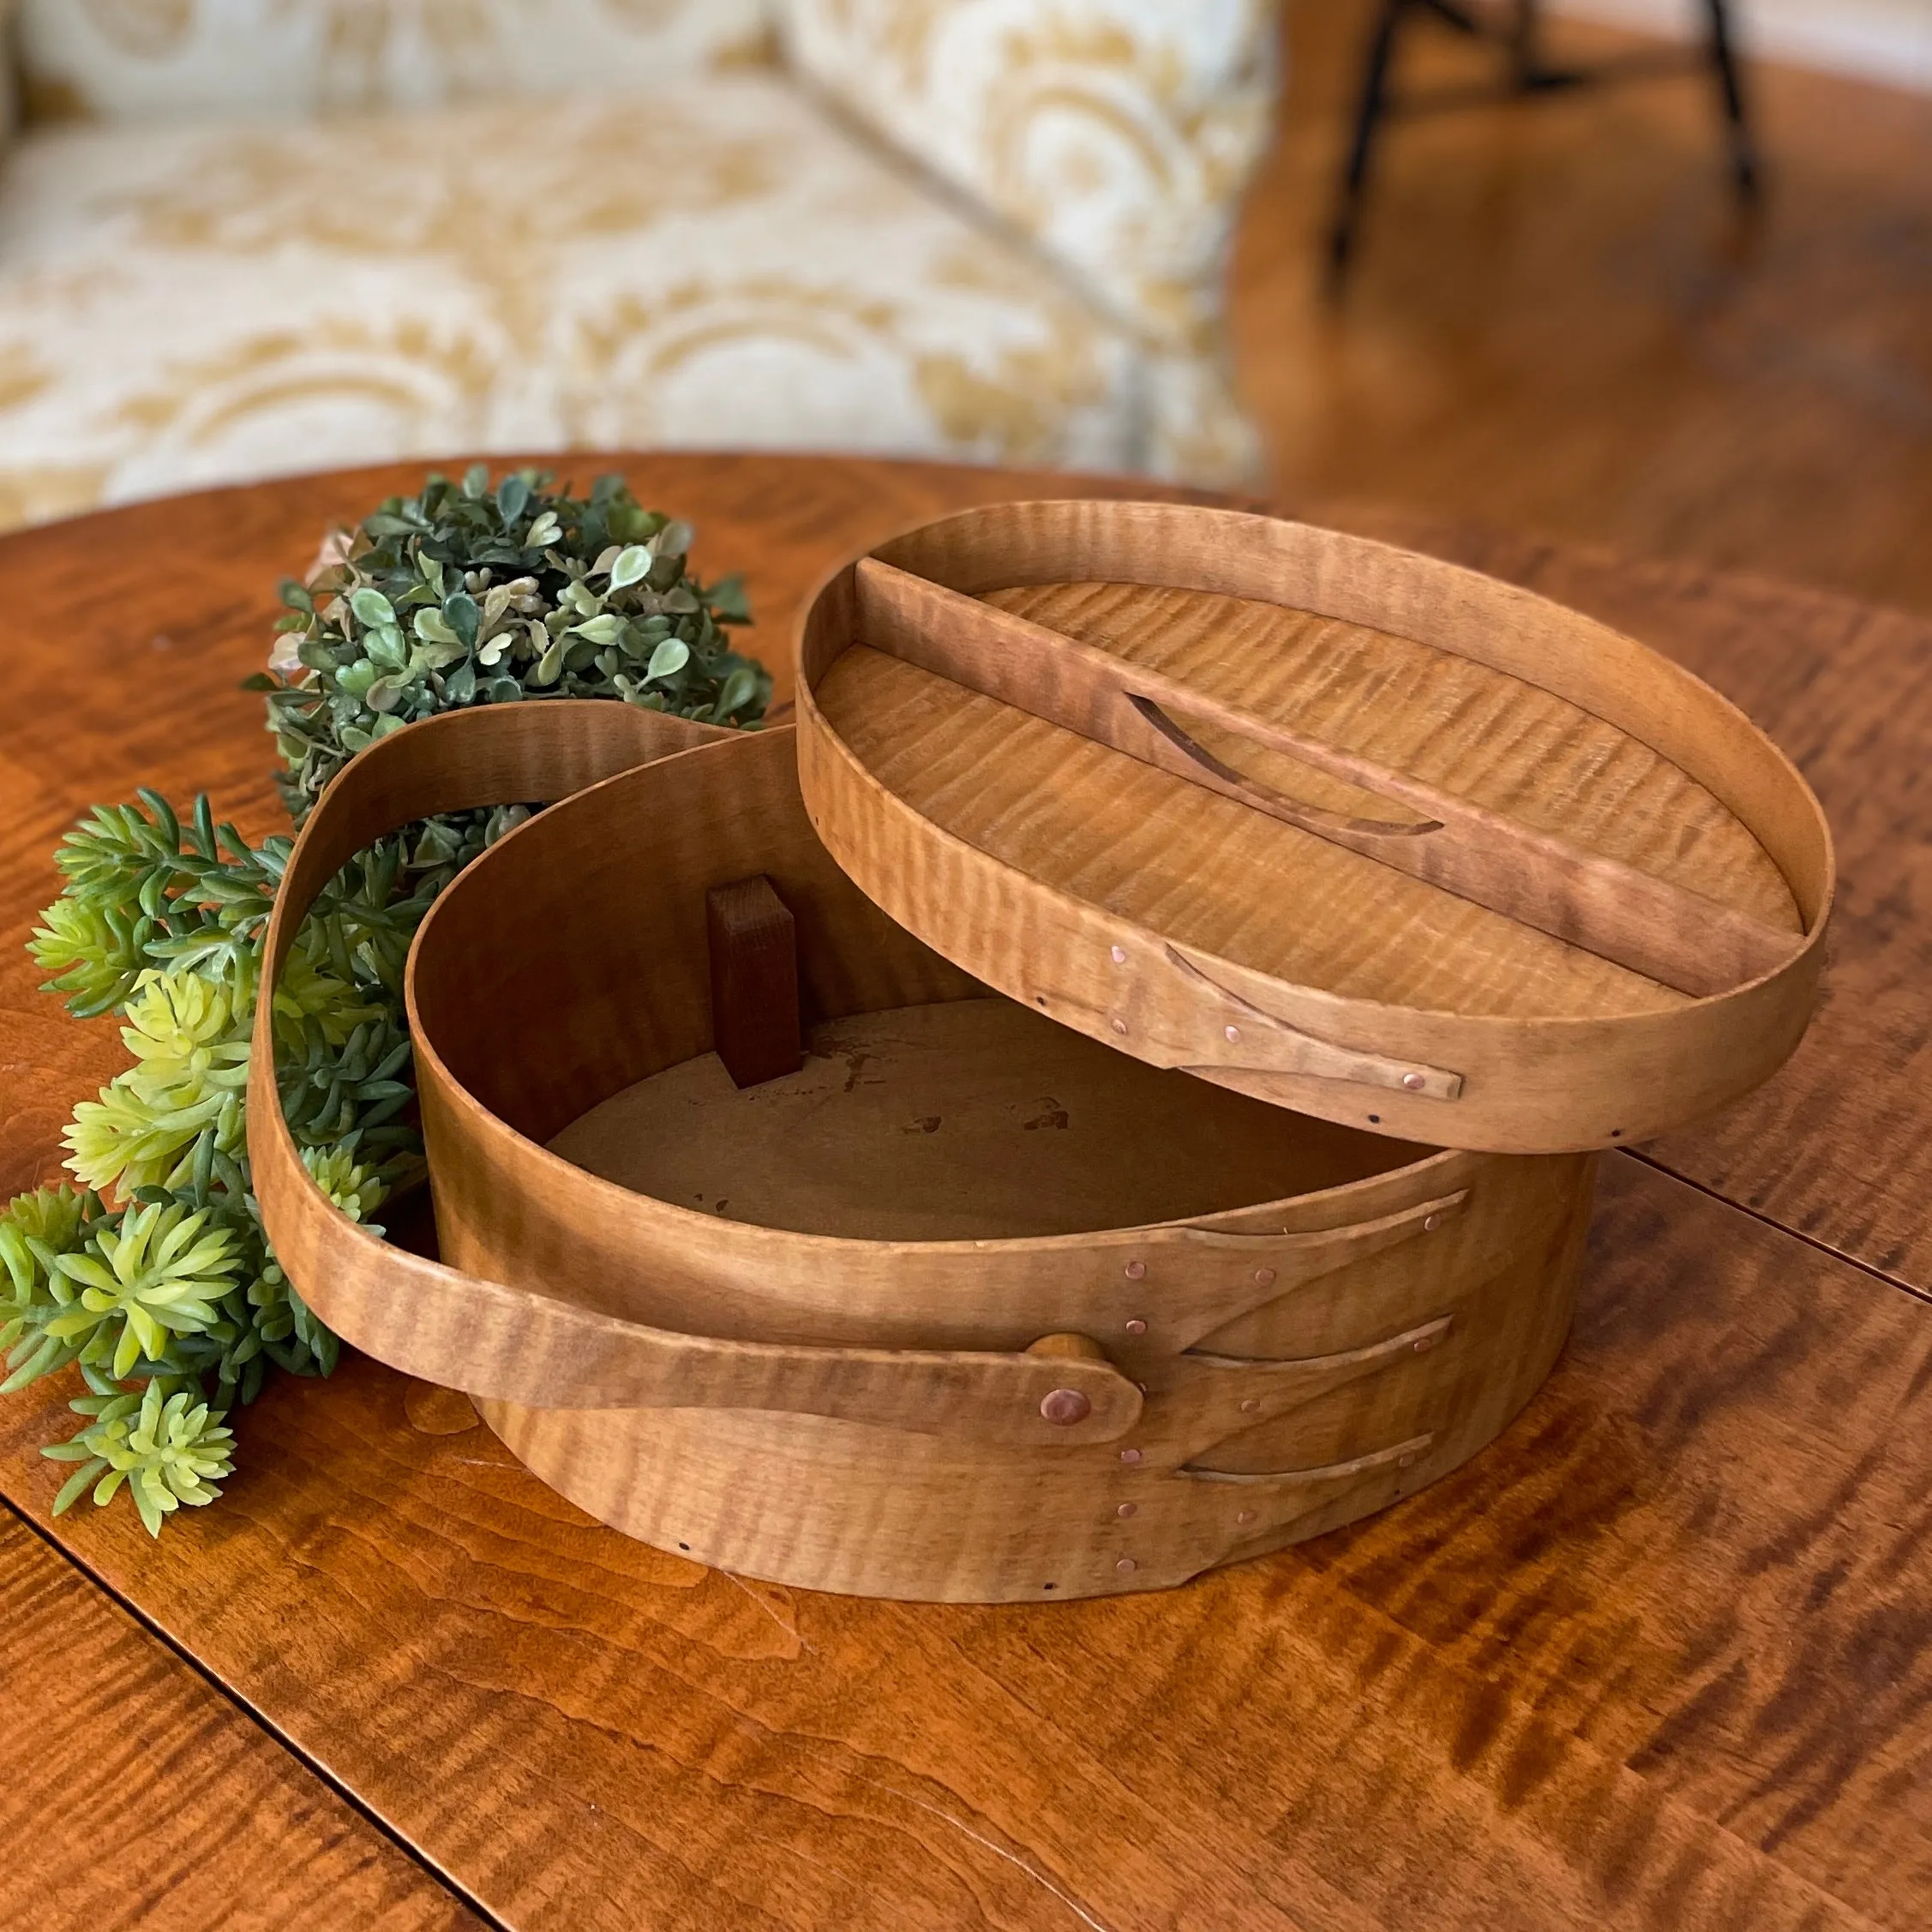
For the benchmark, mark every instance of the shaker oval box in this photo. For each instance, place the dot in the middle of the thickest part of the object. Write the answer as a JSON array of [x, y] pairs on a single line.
[[1126, 1216]]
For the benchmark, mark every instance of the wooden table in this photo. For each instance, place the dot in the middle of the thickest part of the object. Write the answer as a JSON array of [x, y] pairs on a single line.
[[1661, 1658]]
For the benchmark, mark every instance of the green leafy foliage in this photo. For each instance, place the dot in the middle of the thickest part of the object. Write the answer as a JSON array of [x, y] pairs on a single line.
[[154, 1278], [168, 1448], [466, 594], [174, 1282]]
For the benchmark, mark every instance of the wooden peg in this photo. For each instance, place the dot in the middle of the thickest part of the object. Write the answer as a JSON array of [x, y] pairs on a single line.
[[755, 981], [1071, 1347]]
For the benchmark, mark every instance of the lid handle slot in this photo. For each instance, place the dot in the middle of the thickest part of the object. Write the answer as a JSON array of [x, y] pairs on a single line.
[[1316, 818]]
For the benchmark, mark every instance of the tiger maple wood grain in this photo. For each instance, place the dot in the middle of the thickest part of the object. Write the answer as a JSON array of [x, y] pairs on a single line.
[[1444, 719], [1659, 1660], [1534, 867], [137, 1799], [1838, 1145], [1191, 929]]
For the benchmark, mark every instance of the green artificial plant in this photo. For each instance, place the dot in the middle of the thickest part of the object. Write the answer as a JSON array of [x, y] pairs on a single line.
[[154, 1278]]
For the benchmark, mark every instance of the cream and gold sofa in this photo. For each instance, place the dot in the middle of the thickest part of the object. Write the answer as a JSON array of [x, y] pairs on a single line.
[[238, 237]]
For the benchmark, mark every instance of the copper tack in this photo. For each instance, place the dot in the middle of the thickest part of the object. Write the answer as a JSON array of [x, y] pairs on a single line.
[[1063, 1407], [1249, 1405], [1136, 1270], [1415, 1083], [1136, 1326], [1119, 1026], [1234, 1034], [1244, 1515], [1127, 1510], [1126, 1564], [1119, 955], [1263, 1277], [1432, 1224], [1131, 1456]]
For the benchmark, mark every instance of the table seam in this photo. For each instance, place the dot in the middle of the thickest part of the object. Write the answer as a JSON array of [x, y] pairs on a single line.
[[1811, 1241], [253, 1715]]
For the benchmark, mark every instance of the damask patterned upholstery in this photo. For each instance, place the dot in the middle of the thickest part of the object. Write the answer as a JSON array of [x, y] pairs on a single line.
[[698, 258], [185, 305], [122, 59], [1116, 134]]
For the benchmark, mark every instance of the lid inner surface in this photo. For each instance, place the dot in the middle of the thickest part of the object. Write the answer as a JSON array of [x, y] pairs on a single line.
[[1209, 871]]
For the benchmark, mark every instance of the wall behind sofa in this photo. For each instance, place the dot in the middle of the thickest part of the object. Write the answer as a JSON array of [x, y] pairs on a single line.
[[1885, 41]]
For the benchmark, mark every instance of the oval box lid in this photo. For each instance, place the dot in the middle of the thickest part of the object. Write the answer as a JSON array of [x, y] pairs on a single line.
[[1345, 828]]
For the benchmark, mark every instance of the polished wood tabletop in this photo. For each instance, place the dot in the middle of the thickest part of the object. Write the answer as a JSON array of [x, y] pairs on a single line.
[[1660, 1658]]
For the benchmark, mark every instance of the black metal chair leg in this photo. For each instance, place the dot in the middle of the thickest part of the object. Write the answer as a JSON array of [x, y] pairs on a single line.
[[1724, 59], [1519, 32], [1369, 114], [1525, 44]]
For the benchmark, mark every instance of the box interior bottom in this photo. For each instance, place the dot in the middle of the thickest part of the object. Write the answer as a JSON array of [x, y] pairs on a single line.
[[962, 1120]]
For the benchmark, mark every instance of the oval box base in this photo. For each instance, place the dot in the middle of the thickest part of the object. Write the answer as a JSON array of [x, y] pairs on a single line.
[[975, 1120], [966, 1307]]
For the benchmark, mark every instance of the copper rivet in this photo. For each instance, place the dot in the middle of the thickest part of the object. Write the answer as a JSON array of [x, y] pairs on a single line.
[[1120, 956], [1424, 1343], [1135, 1271], [1415, 1083], [1432, 1224], [1233, 1032], [1119, 1026], [1126, 1564], [1263, 1277], [1136, 1326], [1244, 1515], [1063, 1407], [1130, 1455], [1126, 1508], [1249, 1406]]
